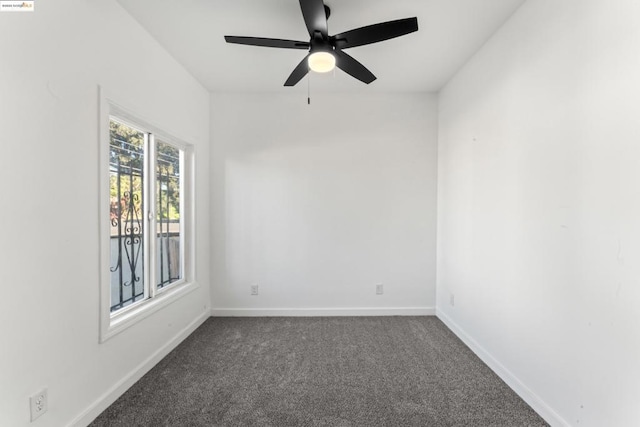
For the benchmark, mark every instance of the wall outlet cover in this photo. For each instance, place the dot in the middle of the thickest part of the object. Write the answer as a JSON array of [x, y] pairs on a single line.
[[39, 404]]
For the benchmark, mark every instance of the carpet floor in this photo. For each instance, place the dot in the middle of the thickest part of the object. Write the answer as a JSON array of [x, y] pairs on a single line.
[[323, 371]]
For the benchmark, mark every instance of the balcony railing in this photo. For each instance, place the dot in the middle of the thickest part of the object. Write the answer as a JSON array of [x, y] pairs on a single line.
[[128, 229]]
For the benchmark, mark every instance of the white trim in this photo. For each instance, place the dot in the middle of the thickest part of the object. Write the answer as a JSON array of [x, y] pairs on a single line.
[[112, 324], [184, 220], [536, 402], [150, 215], [320, 312], [103, 220], [111, 395], [146, 308], [188, 170]]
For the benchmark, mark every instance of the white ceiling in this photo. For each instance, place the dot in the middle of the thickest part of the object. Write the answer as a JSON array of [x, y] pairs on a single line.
[[450, 32]]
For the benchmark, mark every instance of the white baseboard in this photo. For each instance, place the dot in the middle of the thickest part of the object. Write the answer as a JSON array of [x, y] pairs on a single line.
[[538, 405], [321, 312], [128, 380]]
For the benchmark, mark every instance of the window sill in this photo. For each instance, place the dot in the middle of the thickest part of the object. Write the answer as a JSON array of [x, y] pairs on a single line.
[[120, 321]]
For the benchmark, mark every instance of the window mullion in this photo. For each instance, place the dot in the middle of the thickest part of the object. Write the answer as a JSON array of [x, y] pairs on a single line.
[[151, 215]]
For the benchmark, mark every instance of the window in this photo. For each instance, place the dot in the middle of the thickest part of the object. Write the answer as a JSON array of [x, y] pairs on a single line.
[[148, 244]]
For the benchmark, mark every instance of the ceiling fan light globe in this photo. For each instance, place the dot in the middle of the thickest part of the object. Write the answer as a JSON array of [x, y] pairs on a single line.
[[322, 62]]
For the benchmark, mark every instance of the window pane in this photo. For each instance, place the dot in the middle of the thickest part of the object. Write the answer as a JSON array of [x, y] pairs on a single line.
[[169, 237], [126, 165]]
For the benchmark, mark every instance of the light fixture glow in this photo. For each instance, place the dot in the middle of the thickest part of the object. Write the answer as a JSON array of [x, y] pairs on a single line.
[[322, 62]]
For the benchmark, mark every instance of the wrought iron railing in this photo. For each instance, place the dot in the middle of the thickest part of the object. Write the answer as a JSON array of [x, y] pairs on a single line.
[[169, 267], [128, 224]]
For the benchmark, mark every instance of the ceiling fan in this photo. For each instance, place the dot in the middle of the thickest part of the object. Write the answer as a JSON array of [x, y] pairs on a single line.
[[326, 52]]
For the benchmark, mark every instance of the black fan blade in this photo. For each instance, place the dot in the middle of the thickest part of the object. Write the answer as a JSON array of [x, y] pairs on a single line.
[[353, 67], [314, 16], [375, 33], [260, 41], [298, 73]]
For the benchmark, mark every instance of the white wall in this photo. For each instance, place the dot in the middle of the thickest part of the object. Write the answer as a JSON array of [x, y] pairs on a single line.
[[539, 207], [51, 63], [317, 204]]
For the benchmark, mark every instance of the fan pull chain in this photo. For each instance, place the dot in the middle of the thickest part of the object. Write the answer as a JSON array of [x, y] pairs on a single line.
[[309, 89]]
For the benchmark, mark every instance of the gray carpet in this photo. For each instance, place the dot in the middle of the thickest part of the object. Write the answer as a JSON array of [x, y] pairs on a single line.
[[337, 371]]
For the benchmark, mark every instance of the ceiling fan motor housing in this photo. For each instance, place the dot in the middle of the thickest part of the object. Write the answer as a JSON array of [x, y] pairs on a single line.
[[319, 43]]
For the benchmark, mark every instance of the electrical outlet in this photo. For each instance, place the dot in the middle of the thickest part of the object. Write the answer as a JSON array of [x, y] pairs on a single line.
[[38, 403], [254, 289], [379, 289], [452, 300]]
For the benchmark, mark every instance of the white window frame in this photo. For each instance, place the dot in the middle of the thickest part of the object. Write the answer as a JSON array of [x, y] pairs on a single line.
[[154, 299]]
